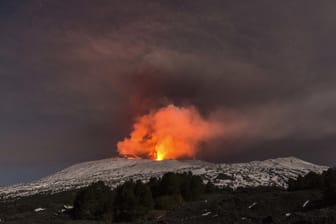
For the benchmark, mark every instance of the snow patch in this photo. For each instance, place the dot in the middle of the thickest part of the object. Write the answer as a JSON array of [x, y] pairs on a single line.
[[206, 213], [305, 204], [39, 209], [68, 207], [252, 205]]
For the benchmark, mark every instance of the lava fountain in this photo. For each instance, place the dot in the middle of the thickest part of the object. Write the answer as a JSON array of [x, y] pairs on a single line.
[[170, 132]]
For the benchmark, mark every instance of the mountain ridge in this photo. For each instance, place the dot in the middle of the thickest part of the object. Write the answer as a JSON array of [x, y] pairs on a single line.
[[115, 171]]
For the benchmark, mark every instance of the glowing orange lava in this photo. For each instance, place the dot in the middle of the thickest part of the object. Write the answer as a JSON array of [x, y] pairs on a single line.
[[168, 133]]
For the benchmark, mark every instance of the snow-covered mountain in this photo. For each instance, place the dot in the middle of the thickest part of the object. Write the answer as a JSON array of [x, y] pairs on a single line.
[[114, 171]]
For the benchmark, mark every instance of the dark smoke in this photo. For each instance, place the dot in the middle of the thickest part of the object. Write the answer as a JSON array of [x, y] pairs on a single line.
[[78, 73]]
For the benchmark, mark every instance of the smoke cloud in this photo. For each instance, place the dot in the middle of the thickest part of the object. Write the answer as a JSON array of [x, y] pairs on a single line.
[[169, 133]]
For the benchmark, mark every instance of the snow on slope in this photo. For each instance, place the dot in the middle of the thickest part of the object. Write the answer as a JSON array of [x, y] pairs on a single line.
[[114, 171]]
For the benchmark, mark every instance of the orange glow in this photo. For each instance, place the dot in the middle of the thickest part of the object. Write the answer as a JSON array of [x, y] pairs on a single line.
[[168, 133]]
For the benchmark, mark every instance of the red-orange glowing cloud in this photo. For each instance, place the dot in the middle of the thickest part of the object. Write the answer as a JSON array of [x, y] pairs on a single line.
[[168, 133]]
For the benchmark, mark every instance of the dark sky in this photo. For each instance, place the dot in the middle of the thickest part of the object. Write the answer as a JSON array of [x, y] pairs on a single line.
[[75, 73]]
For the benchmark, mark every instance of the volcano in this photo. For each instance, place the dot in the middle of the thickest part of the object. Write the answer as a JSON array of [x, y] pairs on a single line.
[[115, 171]]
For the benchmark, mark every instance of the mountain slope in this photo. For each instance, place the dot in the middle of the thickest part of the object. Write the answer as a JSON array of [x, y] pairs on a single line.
[[114, 171]]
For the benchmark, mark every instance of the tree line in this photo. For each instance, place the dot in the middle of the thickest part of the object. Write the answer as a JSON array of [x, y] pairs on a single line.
[[133, 200], [325, 182]]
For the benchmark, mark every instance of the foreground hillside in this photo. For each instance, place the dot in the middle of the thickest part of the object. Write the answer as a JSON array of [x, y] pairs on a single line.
[[242, 206], [115, 171]]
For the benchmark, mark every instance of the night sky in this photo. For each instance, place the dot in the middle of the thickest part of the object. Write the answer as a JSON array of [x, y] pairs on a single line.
[[74, 74]]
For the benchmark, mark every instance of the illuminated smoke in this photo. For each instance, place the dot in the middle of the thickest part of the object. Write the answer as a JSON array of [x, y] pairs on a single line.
[[170, 132]]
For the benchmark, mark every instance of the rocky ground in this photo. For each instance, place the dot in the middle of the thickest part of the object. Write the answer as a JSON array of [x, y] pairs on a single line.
[[242, 206]]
